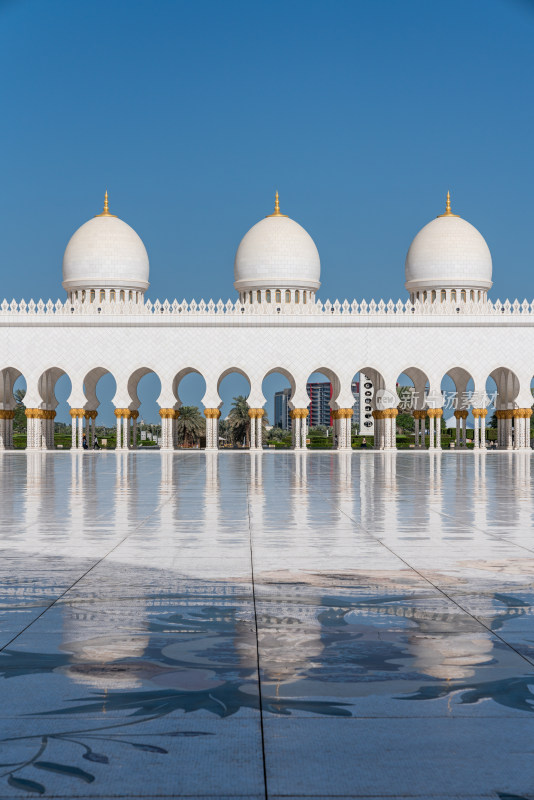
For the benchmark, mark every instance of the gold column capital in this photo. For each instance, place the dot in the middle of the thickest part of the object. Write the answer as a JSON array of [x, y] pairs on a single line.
[[299, 413], [212, 413]]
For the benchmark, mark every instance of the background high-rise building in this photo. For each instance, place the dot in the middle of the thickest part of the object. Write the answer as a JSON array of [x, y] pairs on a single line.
[[320, 394], [281, 409]]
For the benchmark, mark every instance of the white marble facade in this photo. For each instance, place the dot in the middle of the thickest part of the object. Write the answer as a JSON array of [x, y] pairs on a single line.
[[446, 326]]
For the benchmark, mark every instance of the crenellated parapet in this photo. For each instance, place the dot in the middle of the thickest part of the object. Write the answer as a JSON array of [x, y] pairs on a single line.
[[230, 308]]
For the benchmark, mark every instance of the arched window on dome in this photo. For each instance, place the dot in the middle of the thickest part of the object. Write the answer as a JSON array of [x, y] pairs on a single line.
[[278, 296], [250, 297], [463, 296], [443, 295], [288, 296], [112, 295], [258, 296], [92, 296], [433, 295], [121, 296], [268, 296], [479, 295], [83, 295], [130, 295], [297, 296], [472, 295], [424, 297], [304, 300], [102, 295], [453, 295]]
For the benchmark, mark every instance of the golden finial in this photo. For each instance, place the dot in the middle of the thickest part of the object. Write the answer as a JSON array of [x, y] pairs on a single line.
[[105, 212], [448, 212], [276, 208]]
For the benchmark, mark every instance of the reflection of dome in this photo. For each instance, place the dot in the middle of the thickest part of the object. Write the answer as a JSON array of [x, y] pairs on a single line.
[[105, 253], [277, 253], [448, 254]]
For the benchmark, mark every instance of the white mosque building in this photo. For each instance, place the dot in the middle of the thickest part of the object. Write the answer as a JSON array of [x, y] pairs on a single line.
[[445, 326]]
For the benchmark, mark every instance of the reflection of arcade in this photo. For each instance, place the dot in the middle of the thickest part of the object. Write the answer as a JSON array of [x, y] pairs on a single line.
[[102, 631]]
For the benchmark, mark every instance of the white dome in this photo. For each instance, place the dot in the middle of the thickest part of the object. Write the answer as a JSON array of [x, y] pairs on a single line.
[[105, 252], [448, 253], [277, 252]]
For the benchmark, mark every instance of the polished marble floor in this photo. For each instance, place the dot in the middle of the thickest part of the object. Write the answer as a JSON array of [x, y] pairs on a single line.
[[267, 625]]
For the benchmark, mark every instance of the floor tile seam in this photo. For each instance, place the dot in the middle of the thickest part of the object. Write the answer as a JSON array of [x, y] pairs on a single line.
[[423, 576], [469, 524], [260, 696], [91, 568]]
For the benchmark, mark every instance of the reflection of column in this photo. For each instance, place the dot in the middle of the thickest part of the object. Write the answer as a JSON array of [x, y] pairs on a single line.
[[212, 428], [256, 469]]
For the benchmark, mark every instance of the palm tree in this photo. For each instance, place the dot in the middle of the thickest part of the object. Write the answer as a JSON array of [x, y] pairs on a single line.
[[19, 422], [239, 421], [190, 426]]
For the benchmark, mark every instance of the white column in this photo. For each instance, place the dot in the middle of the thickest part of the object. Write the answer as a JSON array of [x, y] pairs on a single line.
[[482, 433], [296, 435], [74, 421], [458, 424], [51, 424], [432, 428], [3, 437], [304, 431], [125, 432], [93, 429], [476, 432], [134, 432], [259, 433], [118, 445], [509, 432], [252, 434], [438, 431]]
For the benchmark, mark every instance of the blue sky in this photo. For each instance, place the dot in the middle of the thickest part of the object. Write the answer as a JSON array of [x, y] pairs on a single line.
[[362, 115]]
